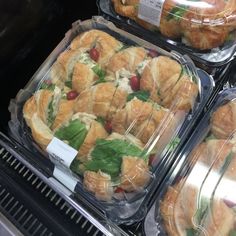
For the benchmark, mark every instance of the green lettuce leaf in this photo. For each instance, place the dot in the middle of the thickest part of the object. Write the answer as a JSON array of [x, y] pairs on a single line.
[[100, 73], [232, 232], [141, 95], [74, 133], [107, 155], [76, 166], [68, 83], [101, 120], [191, 232], [51, 116], [176, 13], [45, 85], [173, 144]]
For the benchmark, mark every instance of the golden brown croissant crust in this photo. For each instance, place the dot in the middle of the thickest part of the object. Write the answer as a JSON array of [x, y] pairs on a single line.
[[223, 121], [200, 27]]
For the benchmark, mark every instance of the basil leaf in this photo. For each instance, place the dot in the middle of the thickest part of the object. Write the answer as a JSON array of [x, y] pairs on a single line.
[[141, 95], [74, 133], [107, 155]]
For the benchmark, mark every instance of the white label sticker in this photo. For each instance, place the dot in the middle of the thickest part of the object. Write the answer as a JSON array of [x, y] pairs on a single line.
[[150, 11], [61, 153], [65, 178]]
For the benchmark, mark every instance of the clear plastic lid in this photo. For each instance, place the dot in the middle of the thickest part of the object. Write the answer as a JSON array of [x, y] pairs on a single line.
[[109, 110], [198, 197], [206, 29]]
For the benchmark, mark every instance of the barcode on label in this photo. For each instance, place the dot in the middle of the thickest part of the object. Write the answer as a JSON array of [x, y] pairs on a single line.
[[60, 153], [150, 11]]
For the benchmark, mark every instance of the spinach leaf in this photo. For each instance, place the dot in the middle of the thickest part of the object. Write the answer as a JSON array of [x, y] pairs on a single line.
[[141, 95], [107, 155], [74, 133]]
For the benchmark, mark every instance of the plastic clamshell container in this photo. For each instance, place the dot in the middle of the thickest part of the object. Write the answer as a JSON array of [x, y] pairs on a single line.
[[97, 176], [203, 29], [197, 197]]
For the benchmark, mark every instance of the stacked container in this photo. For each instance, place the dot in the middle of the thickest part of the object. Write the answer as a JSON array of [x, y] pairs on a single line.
[[205, 30], [197, 196]]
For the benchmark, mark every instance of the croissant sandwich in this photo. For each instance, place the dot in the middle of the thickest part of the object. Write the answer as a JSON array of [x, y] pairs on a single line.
[[202, 26], [117, 162]]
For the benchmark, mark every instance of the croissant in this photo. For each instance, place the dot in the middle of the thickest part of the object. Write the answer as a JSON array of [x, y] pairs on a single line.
[[64, 113], [127, 59], [102, 100], [134, 173], [29, 109], [203, 33], [98, 183], [181, 199], [126, 8], [174, 208], [83, 77], [62, 69], [230, 8], [95, 132], [105, 44], [40, 131], [223, 121], [81, 132], [43, 98], [51, 108], [163, 78], [146, 122]]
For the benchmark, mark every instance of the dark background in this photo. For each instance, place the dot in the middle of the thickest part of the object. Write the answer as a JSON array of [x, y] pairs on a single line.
[[29, 31]]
